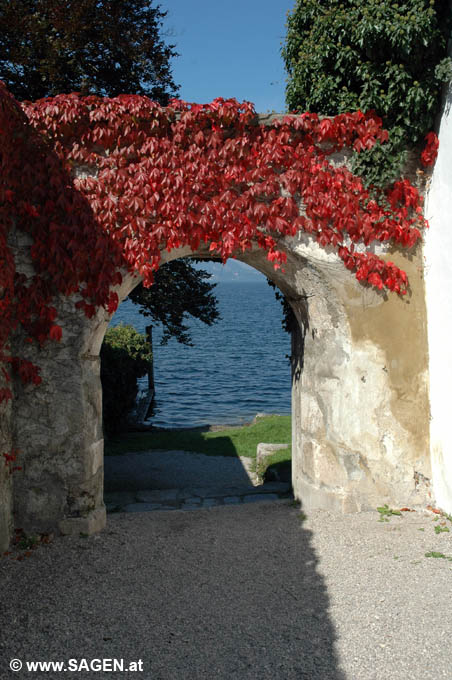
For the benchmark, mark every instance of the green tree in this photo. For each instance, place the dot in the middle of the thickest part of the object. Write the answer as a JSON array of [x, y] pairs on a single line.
[[105, 47], [345, 55], [179, 290]]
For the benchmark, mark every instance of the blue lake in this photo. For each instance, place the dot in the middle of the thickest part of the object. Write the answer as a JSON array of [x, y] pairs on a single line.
[[238, 367]]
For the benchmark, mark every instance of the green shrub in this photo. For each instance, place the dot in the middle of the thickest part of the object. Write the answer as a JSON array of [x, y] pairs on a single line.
[[344, 55], [125, 356]]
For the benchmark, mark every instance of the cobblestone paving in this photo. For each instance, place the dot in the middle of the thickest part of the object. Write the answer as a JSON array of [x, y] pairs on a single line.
[[193, 498]]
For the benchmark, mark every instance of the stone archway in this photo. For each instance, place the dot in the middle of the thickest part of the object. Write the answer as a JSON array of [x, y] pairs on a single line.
[[359, 397]]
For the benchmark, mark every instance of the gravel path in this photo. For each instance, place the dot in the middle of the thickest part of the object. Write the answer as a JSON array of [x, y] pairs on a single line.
[[243, 592]]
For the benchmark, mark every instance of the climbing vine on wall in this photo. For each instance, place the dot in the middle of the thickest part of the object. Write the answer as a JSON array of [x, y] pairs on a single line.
[[102, 185], [385, 55]]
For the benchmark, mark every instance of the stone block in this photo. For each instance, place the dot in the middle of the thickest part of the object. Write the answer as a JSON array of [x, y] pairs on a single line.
[[5, 508], [308, 459], [328, 469], [93, 522], [311, 416], [43, 505], [259, 497], [121, 498], [142, 507], [157, 495], [95, 457], [263, 452], [210, 502]]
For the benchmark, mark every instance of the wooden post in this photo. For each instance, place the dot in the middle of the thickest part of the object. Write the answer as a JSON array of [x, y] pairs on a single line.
[[151, 386]]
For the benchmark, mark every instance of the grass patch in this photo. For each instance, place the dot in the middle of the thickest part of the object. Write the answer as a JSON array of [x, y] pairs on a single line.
[[234, 441], [279, 456]]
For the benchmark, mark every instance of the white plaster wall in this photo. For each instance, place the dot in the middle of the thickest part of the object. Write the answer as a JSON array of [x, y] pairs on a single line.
[[438, 275]]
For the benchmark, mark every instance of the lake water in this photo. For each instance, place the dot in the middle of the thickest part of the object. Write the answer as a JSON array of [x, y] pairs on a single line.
[[237, 368]]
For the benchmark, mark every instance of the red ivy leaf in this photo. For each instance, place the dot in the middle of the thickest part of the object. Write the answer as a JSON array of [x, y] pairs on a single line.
[[56, 333]]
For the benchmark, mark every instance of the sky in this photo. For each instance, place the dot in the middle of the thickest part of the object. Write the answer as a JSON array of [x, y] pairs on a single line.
[[229, 49]]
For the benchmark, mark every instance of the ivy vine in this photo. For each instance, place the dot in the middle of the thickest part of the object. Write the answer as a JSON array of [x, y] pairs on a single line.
[[102, 185], [380, 55]]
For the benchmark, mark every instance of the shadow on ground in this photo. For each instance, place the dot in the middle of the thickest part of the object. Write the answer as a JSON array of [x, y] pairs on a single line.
[[173, 469], [217, 594], [186, 440]]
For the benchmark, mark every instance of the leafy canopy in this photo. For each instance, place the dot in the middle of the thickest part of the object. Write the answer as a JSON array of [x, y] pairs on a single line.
[[178, 290], [104, 47], [345, 55]]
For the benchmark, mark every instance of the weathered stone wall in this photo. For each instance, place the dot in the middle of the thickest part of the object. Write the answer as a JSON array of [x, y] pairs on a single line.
[[57, 426], [360, 397], [363, 401], [6, 518], [438, 251]]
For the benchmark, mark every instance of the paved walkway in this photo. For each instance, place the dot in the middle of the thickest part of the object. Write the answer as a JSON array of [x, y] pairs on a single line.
[[193, 498], [171, 480]]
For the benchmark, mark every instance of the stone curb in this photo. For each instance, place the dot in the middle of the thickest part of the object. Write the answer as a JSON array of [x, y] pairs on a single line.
[[194, 498]]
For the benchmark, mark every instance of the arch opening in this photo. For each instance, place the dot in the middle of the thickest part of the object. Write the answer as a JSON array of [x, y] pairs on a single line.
[[236, 372]]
